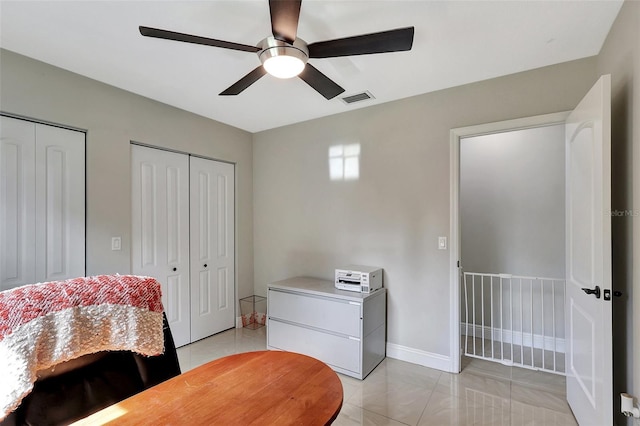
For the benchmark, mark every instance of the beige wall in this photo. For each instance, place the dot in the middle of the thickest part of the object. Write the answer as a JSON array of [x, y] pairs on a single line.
[[306, 224], [113, 118], [512, 196], [620, 57]]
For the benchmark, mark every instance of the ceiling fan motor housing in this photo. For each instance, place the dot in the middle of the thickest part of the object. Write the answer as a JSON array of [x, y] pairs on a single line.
[[292, 57]]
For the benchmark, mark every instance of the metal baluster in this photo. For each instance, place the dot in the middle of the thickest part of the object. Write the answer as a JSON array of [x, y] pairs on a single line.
[[466, 313], [482, 310], [501, 325], [553, 316], [491, 318], [511, 327], [521, 327], [544, 335], [531, 319], [473, 297]]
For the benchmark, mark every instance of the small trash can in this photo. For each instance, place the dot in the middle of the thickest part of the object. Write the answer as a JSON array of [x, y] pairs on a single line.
[[254, 311]]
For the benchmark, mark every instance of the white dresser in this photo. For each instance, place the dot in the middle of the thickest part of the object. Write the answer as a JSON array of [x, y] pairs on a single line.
[[344, 329]]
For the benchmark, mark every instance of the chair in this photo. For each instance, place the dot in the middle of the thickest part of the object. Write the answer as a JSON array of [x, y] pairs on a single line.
[[79, 387], [85, 385]]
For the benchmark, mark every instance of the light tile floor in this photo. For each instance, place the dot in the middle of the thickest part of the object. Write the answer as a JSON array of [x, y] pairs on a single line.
[[401, 393]]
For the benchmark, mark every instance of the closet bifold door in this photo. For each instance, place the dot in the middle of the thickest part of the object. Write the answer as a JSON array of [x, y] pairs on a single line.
[[17, 203], [60, 201], [160, 230], [212, 247], [42, 203]]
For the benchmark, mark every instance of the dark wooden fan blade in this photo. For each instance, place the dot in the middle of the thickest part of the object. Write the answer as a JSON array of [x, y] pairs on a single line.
[[244, 82], [320, 82], [187, 38], [284, 19], [386, 41]]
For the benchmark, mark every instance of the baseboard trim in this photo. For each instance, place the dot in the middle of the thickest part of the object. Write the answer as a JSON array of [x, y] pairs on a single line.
[[417, 356]]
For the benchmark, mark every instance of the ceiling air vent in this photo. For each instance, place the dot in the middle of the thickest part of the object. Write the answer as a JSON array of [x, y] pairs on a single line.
[[358, 97]]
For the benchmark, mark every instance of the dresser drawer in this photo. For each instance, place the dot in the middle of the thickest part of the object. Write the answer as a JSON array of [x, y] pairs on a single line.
[[338, 316], [337, 351]]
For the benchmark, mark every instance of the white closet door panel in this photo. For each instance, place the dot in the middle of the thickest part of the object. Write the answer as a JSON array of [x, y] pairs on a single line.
[[224, 193], [145, 192], [176, 214], [212, 247], [17, 203], [160, 238], [60, 203]]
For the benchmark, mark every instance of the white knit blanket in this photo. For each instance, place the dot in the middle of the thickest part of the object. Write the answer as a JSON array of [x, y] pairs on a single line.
[[44, 324]]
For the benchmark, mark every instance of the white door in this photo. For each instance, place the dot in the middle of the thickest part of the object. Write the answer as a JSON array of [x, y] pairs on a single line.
[[17, 203], [588, 246], [42, 203], [59, 222], [160, 230], [212, 247]]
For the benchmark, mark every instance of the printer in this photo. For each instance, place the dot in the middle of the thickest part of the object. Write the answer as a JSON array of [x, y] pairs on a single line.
[[363, 279]]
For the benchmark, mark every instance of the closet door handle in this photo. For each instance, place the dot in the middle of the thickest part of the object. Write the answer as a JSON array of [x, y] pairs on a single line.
[[205, 265], [175, 269]]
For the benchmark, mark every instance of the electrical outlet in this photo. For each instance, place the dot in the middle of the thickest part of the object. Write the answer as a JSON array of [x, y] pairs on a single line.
[[442, 243], [116, 243]]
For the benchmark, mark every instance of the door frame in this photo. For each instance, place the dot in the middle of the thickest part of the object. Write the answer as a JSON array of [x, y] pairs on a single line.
[[454, 199]]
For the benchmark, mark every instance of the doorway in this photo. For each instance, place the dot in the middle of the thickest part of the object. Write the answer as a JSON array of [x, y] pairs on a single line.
[[511, 233], [512, 215], [456, 138]]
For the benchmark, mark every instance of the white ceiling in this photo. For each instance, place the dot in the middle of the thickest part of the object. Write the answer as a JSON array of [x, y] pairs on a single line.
[[456, 42]]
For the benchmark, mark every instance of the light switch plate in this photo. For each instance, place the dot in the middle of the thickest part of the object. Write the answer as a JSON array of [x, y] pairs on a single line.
[[116, 243], [442, 243]]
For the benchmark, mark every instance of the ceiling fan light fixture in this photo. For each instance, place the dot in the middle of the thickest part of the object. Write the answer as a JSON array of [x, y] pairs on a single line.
[[283, 66], [281, 59]]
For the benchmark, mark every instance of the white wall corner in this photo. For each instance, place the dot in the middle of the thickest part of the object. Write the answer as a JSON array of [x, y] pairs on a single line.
[[239, 322], [417, 356]]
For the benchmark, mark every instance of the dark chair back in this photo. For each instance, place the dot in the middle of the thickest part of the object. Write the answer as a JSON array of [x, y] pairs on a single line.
[[80, 387]]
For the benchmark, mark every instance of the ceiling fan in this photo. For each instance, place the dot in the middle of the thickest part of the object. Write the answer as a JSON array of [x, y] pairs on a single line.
[[284, 55]]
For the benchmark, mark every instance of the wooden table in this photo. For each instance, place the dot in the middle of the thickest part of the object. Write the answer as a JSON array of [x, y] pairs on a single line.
[[261, 388]]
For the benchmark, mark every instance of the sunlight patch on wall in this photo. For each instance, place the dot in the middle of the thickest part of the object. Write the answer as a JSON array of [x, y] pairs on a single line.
[[344, 162]]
